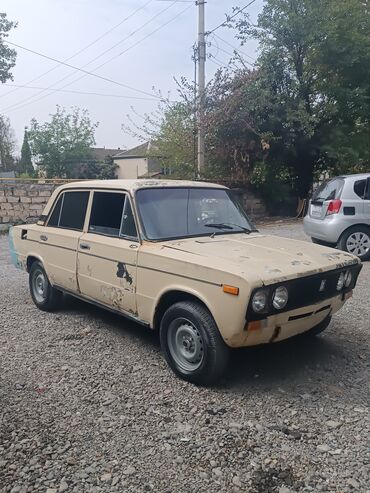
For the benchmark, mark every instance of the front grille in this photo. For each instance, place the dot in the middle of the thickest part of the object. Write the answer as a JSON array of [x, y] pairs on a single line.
[[305, 291]]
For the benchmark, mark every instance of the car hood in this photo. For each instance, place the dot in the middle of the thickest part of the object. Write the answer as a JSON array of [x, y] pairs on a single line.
[[265, 257]]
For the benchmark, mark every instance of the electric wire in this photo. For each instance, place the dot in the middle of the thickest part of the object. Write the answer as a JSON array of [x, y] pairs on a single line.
[[84, 48], [125, 96], [20, 104], [231, 17]]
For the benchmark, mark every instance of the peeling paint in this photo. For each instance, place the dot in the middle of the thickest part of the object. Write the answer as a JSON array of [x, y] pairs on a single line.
[[123, 273], [275, 334], [113, 295], [273, 271]]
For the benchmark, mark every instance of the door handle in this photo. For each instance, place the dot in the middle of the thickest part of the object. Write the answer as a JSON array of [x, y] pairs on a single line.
[[43, 238], [84, 246]]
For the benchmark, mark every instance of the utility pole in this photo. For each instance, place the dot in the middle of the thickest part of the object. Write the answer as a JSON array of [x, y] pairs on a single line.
[[201, 83]]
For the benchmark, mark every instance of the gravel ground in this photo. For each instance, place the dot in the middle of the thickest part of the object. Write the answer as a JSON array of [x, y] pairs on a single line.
[[87, 404]]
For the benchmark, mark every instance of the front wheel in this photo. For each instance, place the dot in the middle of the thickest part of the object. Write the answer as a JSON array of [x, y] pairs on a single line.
[[43, 294], [191, 343], [356, 240]]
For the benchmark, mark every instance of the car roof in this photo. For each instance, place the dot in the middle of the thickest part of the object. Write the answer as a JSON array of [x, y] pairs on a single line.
[[357, 176], [133, 185]]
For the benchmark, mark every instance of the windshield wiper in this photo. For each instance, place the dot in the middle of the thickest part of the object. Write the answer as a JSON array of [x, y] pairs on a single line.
[[228, 226]]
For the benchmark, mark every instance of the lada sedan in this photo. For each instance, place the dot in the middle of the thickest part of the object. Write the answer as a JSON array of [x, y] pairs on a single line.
[[184, 259]]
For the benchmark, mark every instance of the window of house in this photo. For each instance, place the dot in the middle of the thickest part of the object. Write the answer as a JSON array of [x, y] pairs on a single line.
[[70, 210], [111, 214]]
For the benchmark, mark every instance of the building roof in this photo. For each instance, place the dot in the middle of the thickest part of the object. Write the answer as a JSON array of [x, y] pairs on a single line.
[[141, 150], [100, 153]]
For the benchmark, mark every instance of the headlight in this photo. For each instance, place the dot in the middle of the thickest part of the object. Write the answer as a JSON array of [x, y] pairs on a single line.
[[259, 301], [348, 278], [341, 281], [280, 297]]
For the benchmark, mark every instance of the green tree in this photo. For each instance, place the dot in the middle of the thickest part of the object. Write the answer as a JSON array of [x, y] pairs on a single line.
[[25, 165], [312, 86], [63, 143], [7, 55], [7, 145]]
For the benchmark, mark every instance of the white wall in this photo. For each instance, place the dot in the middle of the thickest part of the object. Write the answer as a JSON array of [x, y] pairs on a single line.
[[131, 168]]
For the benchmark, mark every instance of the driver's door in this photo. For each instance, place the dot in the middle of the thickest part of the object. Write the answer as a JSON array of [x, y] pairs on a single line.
[[107, 252]]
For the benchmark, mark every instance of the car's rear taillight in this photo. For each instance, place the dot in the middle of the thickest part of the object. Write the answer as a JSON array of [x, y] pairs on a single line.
[[333, 207]]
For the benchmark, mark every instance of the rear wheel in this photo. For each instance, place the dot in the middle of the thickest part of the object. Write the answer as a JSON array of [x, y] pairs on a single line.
[[356, 240], [43, 294], [191, 343]]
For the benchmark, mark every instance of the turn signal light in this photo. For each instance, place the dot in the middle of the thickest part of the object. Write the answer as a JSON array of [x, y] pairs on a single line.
[[230, 289], [333, 207]]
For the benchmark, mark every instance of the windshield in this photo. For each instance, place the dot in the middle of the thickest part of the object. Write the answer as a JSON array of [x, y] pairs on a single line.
[[329, 190], [168, 213]]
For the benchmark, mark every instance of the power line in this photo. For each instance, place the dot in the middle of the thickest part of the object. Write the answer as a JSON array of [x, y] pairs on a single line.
[[233, 55], [231, 17], [25, 101], [124, 96], [106, 79], [84, 48], [238, 50], [135, 44]]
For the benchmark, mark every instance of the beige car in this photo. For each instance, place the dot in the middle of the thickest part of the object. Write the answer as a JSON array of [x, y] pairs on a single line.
[[183, 258]]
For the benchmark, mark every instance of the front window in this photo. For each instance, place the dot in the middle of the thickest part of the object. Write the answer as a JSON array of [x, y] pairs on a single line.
[[111, 215], [169, 213]]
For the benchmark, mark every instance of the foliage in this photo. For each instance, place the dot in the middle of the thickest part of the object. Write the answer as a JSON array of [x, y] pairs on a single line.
[[7, 145], [63, 143], [304, 108], [7, 55], [25, 166], [98, 170], [312, 90], [232, 145]]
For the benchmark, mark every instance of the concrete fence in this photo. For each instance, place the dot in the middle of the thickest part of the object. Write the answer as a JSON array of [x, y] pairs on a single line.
[[24, 202]]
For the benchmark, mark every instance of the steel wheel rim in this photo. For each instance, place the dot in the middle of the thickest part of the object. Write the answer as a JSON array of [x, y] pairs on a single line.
[[358, 244], [185, 344], [39, 286]]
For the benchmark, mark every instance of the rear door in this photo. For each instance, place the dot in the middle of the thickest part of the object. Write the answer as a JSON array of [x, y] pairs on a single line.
[[326, 192], [107, 252], [59, 239]]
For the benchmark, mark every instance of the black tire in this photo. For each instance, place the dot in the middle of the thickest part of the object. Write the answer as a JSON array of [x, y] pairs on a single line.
[[318, 328], [48, 298], [196, 327], [363, 232]]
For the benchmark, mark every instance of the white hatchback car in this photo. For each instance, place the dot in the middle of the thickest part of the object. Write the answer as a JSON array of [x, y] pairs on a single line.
[[339, 214]]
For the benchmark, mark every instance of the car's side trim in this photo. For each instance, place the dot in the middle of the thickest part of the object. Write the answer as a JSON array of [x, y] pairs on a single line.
[[180, 275], [82, 297], [52, 245], [133, 265], [104, 258]]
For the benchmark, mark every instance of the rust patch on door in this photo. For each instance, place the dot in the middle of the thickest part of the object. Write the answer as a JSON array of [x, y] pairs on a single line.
[[123, 273]]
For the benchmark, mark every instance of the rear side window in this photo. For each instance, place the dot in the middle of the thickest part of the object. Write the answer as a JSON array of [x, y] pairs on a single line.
[[54, 218], [329, 190], [359, 188], [111, 214], [70, 210]]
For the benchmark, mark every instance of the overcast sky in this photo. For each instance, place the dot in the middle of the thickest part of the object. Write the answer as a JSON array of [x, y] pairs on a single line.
[[61, 28]]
